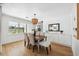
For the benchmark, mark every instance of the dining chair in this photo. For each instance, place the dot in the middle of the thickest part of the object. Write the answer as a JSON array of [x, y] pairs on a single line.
[[40, 34], [26, 40], [31, 41], [46, 43]]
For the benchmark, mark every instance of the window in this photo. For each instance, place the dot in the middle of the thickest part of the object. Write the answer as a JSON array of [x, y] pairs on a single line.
[[22, 28], [16, 28], [13, 27]]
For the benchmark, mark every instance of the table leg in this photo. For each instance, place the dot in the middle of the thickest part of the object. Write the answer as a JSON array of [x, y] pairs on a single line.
[[47, 50], [50, 47], [38, 48]]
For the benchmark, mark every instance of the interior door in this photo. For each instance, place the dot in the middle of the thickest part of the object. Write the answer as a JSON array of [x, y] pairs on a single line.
[[77, 20]]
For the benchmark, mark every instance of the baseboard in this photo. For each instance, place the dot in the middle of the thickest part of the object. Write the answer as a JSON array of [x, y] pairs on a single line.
[[12, 42], [62, 44]]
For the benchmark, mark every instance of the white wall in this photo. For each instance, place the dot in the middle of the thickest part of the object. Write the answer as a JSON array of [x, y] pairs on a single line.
[[57, 37], [65, 25], [6, 38]]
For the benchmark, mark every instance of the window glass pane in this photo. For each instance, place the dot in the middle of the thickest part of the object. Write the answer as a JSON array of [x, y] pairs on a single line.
[[13, 27], [22, 28], [16, 28]]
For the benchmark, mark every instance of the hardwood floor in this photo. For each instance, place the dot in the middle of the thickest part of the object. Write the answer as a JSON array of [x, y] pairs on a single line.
[[18, 49]]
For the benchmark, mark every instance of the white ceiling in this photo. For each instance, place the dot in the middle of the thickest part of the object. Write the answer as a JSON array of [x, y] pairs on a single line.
[[43, 10]]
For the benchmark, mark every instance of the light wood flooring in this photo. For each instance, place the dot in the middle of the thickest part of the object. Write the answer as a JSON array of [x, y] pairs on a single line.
[[18, 49]]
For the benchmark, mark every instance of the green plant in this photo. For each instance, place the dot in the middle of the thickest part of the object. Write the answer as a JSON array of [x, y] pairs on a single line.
[[39, 29]]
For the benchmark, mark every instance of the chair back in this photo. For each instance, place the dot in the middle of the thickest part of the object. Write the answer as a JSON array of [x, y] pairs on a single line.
[[26, 38], [31, 39], [49, 37], [39, 33]]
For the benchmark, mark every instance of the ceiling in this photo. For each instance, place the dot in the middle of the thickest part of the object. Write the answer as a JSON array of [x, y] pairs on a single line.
[[43, 10]]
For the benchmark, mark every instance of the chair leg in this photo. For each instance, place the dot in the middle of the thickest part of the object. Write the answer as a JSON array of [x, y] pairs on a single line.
[[47, 50], [24, 43], [50, 47], [33, 48], [29, 45]]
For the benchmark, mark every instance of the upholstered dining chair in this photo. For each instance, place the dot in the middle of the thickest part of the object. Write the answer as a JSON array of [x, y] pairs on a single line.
[[31, 41], [46, 43], [26, 40], [40, 34]]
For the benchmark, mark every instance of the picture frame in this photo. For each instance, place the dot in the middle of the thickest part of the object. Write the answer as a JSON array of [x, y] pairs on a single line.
[[54, 27]]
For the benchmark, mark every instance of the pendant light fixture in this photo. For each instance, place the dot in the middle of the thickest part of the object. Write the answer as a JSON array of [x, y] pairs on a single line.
[[34, 20]]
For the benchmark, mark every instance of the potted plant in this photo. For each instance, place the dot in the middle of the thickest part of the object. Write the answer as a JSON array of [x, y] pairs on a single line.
[[39, 29]]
